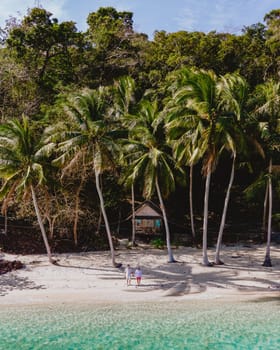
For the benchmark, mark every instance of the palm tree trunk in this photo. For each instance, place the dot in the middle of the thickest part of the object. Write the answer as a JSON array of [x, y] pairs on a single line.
[[45, 239], [133, 215], [267, 259], [97, 182], [99, 222], [51, 226], [223, 220], [76, 219], [119, 221], [170, 254], [5, 207], [191, 203], [265, 207], [6, 222], [205, 260]]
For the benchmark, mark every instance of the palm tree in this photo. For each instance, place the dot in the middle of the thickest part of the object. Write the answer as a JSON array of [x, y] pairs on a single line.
[[207, 133], [87, 134], [151, 162], [124, 96], [269, 112], [20, 166], [124, 105], [234, 97], [183, 130]]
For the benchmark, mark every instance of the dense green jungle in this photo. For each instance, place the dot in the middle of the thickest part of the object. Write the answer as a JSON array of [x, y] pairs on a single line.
[[94, 123]]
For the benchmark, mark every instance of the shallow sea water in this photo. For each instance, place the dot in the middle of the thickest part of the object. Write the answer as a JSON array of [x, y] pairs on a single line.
[[194, 325]]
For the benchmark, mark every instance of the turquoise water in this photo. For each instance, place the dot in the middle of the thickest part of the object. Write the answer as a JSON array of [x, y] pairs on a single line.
[[150, 326]]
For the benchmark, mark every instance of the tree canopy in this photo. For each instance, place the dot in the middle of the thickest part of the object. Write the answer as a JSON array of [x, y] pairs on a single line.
[[111, 103]]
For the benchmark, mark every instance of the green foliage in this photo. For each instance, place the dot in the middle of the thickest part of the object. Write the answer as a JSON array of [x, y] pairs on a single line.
[[115, 47], [256, 191], [181, 99], [18, 91], [20, 167], [48, 49], [273, 22], [158, 243]]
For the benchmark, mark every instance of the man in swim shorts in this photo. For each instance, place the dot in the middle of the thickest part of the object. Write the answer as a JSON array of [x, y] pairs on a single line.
[[128, 273]]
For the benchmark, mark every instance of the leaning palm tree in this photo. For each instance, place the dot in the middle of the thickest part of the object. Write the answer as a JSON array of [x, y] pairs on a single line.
[[20, 166], [269, 112], [234, 97], [151, 162], [86, 133]]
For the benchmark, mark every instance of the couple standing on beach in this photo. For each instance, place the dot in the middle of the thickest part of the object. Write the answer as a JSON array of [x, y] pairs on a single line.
[[129, 273]]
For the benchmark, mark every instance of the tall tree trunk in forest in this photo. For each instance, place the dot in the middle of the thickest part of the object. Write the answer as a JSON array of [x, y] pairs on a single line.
[[77, 207], [133, 215], [265, 207], [51, 223], [191, 204], [5, 207], [170, 254], [40, 222], [102, 206], [267, 259], [223, 220], [6, 222], [99, 222], [119, 220], [205, 260]]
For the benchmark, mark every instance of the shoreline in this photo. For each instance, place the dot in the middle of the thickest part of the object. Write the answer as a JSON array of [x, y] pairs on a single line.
[[89, 278]]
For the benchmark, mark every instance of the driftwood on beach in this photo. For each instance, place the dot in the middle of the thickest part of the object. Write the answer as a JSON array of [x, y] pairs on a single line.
[[7, 266]]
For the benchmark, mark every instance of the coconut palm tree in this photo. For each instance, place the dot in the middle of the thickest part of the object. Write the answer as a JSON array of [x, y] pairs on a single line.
[[234, 97], [87, 133], [20, 166], [208, 132], [151, 162], [124, 96], [269, 116], [124, 105], [182, 130]]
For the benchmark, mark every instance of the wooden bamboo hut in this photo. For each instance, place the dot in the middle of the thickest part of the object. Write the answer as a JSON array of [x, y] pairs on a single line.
[[148, 218]]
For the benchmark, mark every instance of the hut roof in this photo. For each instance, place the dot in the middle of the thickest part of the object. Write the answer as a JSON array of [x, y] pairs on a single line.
[[148, 210]]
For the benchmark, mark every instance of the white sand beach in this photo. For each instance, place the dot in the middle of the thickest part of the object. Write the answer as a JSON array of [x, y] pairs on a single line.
[[90, 278]]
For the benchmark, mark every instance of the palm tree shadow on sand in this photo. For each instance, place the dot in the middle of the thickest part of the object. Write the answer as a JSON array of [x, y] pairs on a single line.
[[184, 282], [9, 283]]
